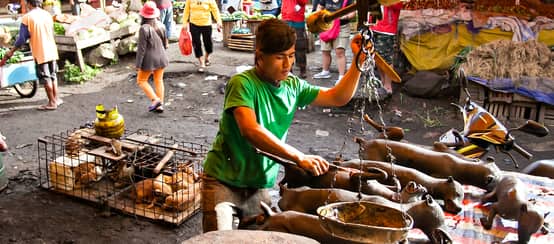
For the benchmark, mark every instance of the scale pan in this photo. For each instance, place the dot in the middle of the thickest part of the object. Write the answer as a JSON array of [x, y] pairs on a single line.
[[365, 222]]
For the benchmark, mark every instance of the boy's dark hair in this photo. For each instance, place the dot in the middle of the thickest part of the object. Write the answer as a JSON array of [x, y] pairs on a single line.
[[35, 3], [274, 36]]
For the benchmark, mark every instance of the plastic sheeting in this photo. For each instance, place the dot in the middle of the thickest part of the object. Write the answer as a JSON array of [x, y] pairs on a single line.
[[541, 90]]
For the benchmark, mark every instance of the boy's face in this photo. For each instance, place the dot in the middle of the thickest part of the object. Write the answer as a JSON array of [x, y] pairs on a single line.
[[277, 66]]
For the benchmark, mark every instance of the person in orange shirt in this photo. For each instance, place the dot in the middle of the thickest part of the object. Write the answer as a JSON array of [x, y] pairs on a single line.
[[37, 26]]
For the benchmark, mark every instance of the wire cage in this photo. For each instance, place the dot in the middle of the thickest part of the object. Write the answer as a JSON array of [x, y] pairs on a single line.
[[139, 174]]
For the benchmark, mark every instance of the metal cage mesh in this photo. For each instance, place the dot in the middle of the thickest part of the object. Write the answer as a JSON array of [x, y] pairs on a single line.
[[155, 177]]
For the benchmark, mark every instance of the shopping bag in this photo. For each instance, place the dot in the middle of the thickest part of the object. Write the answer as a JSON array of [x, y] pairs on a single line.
[[332, 33], [185, 42]]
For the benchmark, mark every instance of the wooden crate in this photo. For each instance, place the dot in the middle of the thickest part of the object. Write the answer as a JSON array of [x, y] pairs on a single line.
[[72, 44], [499, 109], [253, 25], [124, 31], [494, 96], [242, 42], [546, 114], [522, 111], [228, 26]]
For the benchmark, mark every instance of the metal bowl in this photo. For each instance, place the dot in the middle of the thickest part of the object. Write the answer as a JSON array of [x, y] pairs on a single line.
[[365, 222]]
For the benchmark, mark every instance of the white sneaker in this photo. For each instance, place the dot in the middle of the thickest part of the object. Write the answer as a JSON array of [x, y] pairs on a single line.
[[325, 74], [337, 81]]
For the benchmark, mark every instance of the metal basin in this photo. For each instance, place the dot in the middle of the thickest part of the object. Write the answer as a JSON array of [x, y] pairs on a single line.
[[365, 222]]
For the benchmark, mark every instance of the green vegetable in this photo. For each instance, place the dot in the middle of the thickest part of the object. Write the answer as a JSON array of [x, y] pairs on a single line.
[[73, 74], [59, 29], [15, 58]]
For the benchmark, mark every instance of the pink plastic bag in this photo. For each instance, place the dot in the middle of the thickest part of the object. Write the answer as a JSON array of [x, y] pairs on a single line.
[[332, 33]]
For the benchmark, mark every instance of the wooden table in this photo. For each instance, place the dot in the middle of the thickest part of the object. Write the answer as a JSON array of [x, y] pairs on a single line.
[[73, 44]]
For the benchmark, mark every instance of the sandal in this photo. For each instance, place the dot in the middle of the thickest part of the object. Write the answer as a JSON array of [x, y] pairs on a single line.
[[46, 107], [159, 110], [154, 106]]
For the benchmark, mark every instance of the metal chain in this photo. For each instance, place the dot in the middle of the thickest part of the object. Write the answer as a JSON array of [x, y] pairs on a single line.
[[371, 82]]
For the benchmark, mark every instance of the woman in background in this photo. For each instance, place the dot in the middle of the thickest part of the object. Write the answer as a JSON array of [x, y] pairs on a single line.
[[197, 18], [151, 57]]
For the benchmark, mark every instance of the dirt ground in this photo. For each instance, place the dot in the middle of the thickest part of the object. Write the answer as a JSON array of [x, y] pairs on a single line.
[[29, 214]]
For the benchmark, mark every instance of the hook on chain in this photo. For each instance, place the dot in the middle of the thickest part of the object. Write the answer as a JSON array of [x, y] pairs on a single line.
[[368, 48]]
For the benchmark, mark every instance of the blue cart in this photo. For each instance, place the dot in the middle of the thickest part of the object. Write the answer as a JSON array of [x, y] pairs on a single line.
[[22, 76]]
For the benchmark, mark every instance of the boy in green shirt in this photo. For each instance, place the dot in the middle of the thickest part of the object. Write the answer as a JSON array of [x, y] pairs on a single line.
[[259, 107]]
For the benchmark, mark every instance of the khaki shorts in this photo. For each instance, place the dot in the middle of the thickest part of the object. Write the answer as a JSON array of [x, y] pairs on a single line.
[[342, 41], [215, 192]]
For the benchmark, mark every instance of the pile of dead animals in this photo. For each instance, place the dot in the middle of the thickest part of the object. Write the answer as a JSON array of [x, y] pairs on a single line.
[[420, 178]]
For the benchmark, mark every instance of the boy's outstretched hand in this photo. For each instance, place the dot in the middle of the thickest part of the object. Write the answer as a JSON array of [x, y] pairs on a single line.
[[356, 46], [314, 164]]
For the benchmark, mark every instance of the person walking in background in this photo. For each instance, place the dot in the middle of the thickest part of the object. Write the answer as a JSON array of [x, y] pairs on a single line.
[[258, 110], [272, 7], [293, 13], [166, 15], [75, 7], [54, 7], [197, 18], [151, 57], [384, 34], [37, 26], [339, 44]]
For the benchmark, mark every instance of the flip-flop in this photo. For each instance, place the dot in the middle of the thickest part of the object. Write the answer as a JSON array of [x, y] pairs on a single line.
[[154, 106], [45, 108]]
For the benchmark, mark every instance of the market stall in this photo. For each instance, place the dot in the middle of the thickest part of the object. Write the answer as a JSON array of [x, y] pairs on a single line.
[[431, 35], [94, 27], [239, 29], [435, 36]]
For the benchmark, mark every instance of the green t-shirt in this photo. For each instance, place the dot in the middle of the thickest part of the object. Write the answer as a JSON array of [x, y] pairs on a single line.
[[232, 159]]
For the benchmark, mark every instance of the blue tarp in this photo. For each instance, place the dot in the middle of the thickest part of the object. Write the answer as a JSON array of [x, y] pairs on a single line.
[[542, 90]]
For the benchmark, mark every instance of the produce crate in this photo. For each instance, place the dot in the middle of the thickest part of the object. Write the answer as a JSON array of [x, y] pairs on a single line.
[[72, 44], [124, 31], [495, 96], [546, 114], [500, 110], [227, 27], [253, 25], [154, 177], [242, 42], [522, 111]]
